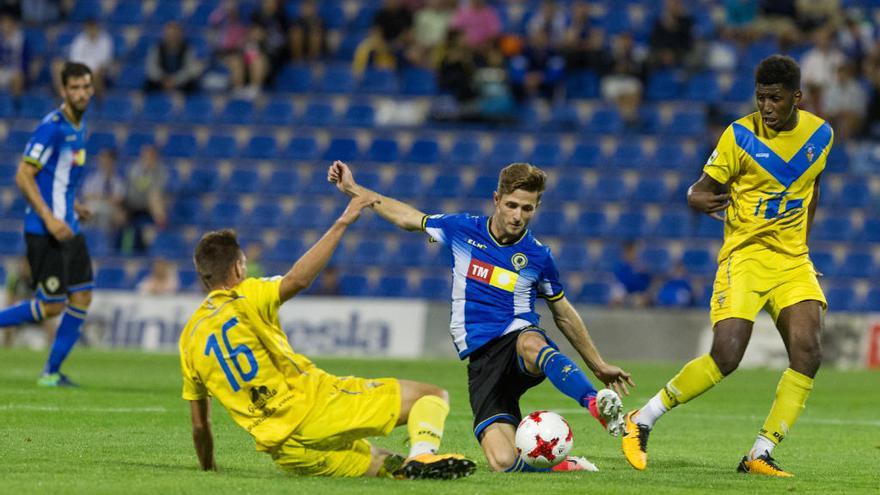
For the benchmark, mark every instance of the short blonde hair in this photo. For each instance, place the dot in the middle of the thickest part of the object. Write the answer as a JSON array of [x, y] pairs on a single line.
[[523, 176]]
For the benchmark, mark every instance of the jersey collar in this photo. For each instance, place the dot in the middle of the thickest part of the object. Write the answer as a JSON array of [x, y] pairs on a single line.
[[499, 243]]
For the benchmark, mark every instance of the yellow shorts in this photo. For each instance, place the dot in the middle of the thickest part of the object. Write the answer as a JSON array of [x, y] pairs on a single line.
[[330, 440], [754, 279]]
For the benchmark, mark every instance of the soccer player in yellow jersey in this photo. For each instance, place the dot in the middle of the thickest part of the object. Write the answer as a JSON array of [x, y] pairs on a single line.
[[764, 175], [309, 421]]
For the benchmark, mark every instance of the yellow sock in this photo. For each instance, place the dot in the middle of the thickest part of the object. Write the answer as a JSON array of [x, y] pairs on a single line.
[[425, 424], [696, 377], [791, 397]]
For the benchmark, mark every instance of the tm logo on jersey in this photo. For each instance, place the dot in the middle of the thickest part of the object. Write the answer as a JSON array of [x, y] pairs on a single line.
[[492, 275]]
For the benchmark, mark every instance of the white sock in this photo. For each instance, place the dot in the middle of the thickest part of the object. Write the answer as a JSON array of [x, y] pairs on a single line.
[[651, 412], [422, 448], [762, 444]]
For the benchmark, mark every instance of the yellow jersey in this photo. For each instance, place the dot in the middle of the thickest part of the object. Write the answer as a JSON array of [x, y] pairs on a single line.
[[233, 349], [771, 176]]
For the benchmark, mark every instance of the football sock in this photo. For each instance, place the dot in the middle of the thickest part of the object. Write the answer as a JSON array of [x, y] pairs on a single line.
[[23, 312], [651, 412], [566, 376], [762, 445], [65, 337], [521, 467], [696, 377], [791, 397], [425, 425]]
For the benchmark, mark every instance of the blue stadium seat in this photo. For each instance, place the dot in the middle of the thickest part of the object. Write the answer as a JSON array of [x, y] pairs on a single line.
[[628, 155], [237, 112], [224, 214], [202, 180], [112, 278], [698, 261], [824, 261], [170, 244], [838, 159], [648, 121], [610, 188], [870, 231], [407, 184], [703, 87], [592, 223], [219, 146], [377, 81], [585, 155], [630, 225], [564, 118], [118, 109], [656, 260], [598, 293], [858, 264], [573, 257], [293, 79], [393, 286], [189, 280], [445, 186], [337, 79], [383, 150], [423, 151], [158, 107], [742, 89], [259, 147], [465, 151], [342, 148], [582, 84], [605, 121], [686, 122], [832, 227], [7, 175], [370, 252], [301, 148], [7, 106], [242, 181], [186, 211], [11, 242], [348, 45], [332, 13], [16, 141], [671, 154], [34, 107], [285, 250], [483, 186], [317, 184], [546, 154], [276, 112], [166, 11], [872, 300], [129, 13], [418, 82], [84, 10], [411, 252], [359, 115], [434, 287], [504, 151], [132, 76], [267, 213], [135, 141], [650, 189], [282, 181], [200, 14], [354, 285], [855, 193], [99, 141], [309, 216], [180, 145], [318, 114], [841, 298], [709, 228], [663, 85]]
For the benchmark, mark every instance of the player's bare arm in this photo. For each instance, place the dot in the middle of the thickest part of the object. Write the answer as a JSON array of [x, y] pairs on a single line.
[[397, 212], [307, 268], [575, 331], [709, 196], [25, 179], [811, 210], [203, 440], [82, 211]]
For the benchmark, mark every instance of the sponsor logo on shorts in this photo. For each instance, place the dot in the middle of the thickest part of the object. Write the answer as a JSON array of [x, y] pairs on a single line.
[[52, 284]]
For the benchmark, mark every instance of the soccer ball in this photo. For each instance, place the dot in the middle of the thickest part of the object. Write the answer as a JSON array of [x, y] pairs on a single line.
[[543, 439]]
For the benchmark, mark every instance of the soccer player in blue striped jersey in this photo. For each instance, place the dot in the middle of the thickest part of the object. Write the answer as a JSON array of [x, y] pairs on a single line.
[[498, 269], [49, 175]]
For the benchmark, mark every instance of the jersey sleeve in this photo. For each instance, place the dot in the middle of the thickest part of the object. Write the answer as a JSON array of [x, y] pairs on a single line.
[[193, 388], [549, 286], [39, 148], [264, 296], [723, 164], [442, 227]]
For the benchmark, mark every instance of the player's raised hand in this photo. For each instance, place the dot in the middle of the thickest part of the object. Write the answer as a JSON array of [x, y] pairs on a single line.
[[341, 175], [356, 206], [615, 378], [82, 211], [59, 229], [709, 202]]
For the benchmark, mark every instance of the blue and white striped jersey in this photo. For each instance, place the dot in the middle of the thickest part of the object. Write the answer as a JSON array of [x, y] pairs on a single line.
[[57, 148], [493, 285]]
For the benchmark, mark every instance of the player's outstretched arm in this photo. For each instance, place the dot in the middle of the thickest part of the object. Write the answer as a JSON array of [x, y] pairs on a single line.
[[572, 326], [307, 268], [25, 179], [709, 196], [811, 210], [203, 440], [397, 212]]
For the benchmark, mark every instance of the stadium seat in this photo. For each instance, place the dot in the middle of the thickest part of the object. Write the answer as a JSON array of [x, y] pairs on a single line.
[[582, 84], [382, 150], [170, 244], [855, 193], [293, 79], [84, 10], [630, 225], [129, 13], [591, 223], [242, 181], [649, 189], [407, 185], [337, 79], [610, 188], [504, 151], [180, 145], [686, 122], [445, 186], [698, 262], [99, 141], [158, 107], [166, 11], [11, 242], [393, 286], [841, 298], [377, 81], [301, 148], [186, 211], [316, 184], [135, 141], [585, 155], [546, 154], [332, 13], [267, 213], [838, 159], [259, 147], [354, 285], [118, 109], [16, 141], [709, 228], [418, 82], [483, 186], [870, 230], [742, 89], [628, 155], [423, 151], [671, 154], [432, 287], [34, 107], [359, 115], [201, 13], [857, 263], [370, 252], [569, 188], [824, 261], [411, 252], [309, 216], [872, 300], [605, 121], [132, 76], [834, 227], [282, 181], [598, 293], [703, 87], [342, 148], [219, 146], [7, 175], [656, 260], [7, 106], [277, 112], [318, 114], [237, 112], [224, 214], [465, 151], [112, 278], [573, 257], [564, 118], [663, 85]]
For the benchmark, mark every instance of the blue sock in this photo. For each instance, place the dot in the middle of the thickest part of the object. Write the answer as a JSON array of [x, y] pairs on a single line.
[[65, 337], [566, 376], [521, 467], [23, 312]]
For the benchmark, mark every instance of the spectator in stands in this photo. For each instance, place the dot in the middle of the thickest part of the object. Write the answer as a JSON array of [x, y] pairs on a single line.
[[671, 37], [308, 36], [145, 201], [42, 12], [456, 68], [585, 45], [777, 18], [623, 84], [479, 22], [551, 21], [871, 127], [162, 280], [633, 281], [845, 103], [171, 64], [395, 22], [431, 26], [538, 70], [275, 36], [856, 38], [93, 47], [230, 36], [13, 60], [373, 52], [676, 291], [253, 253], [104, 191], [819, 67]]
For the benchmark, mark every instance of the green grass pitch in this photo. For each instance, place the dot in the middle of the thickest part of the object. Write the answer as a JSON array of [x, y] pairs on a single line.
[[126, 430]]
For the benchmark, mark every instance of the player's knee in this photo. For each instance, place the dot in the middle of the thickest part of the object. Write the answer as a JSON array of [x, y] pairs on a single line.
[[52, 309], [807, 357], [727, 362], [528, 345], [501, 460]]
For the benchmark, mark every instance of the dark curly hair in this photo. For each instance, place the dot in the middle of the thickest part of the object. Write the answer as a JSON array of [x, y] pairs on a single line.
[[779, 69]]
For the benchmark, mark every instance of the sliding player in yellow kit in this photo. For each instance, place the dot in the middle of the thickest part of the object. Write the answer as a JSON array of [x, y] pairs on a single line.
[[765, 175], [309, 421]]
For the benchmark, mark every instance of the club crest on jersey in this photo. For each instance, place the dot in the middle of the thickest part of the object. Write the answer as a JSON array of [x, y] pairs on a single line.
[[519, 261], [811, 152]]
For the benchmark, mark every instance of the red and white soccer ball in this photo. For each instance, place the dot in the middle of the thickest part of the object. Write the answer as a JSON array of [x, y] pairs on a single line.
[[543, 439]]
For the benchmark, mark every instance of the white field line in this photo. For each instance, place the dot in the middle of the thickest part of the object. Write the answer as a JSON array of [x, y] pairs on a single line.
[[110, 410]]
